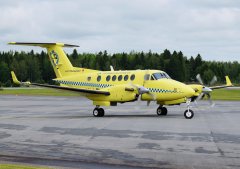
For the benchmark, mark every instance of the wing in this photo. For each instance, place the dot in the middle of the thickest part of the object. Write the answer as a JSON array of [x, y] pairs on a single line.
[[16, 81], [228, 84], [73, 89]]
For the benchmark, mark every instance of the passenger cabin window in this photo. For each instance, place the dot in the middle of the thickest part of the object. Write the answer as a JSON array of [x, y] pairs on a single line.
[[114, 77], [119, 77], [108, 78], [126, 77], [98, 78], [132, 77], [89, 78]]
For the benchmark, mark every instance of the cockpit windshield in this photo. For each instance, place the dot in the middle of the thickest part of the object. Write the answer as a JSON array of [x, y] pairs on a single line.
[[161, 75]]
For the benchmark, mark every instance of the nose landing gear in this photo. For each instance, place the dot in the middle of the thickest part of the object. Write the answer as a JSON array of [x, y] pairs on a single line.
[[98, 112], [188, 114]]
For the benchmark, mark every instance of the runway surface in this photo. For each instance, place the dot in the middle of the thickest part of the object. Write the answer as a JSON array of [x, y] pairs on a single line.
[[61, 132]]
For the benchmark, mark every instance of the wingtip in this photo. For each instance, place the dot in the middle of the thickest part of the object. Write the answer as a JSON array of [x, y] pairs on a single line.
[[11, 43], [228, 81], [14, 78]]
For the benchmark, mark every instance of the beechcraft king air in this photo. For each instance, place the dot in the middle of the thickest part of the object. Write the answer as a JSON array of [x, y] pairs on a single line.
[[108, 88]]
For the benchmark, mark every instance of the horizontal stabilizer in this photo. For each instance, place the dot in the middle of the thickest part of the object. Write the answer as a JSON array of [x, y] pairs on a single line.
[[42, 44]]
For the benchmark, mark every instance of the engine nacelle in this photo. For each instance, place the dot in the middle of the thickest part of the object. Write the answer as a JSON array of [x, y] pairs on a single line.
[[122, 93]]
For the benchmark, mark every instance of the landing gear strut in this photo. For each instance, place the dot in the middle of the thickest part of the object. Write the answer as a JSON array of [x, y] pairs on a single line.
[[98, 112], [188, 114], [162, 111]]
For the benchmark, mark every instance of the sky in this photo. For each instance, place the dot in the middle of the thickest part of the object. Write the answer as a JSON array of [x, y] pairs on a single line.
[[208, 27]]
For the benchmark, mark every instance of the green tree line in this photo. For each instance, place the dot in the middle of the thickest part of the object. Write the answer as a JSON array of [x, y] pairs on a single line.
[[36, 67]]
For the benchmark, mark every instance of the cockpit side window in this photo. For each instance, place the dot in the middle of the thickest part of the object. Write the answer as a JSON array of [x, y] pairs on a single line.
[[160, 75], [157, 76], [166, 75]]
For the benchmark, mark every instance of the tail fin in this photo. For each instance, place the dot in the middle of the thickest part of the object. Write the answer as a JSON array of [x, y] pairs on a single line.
[[14, 78], [228, 81], [60, 62]]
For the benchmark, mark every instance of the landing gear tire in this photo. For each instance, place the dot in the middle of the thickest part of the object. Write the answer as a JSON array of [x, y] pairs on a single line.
[[188, 114], [161, 111], [164, 111], [101, 112], [98, 112]]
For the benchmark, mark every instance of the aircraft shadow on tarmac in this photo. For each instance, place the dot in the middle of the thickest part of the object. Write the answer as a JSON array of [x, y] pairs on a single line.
[[112, 116]]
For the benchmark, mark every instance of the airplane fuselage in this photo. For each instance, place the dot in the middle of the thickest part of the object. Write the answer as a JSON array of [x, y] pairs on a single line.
[[121, 85]]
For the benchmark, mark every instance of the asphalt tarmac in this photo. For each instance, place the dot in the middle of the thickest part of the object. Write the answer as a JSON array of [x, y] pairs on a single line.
[[61, 132]]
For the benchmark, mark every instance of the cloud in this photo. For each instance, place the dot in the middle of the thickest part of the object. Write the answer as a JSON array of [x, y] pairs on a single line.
[[210, 28]]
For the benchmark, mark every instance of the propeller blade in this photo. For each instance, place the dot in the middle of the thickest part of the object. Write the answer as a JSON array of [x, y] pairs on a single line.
[[212, 104], [200, 97], [198, 77], [153, 96], [214, 79]]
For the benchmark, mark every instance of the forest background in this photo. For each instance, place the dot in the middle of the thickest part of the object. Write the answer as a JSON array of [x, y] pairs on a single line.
[[36, 67]]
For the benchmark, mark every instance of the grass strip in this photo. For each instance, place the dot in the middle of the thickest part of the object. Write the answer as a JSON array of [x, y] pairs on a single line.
[[16, 166]]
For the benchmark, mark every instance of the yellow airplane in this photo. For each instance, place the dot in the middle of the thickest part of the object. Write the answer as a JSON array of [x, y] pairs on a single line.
[[108, 88]]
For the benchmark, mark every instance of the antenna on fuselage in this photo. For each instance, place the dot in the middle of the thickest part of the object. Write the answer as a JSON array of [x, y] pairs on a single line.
[[111, 68]]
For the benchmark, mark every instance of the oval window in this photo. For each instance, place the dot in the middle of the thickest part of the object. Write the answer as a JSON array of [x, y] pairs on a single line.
[[119, 77], [108, 78], [132, 77], [114, 77], [126, 77], [98, 78]]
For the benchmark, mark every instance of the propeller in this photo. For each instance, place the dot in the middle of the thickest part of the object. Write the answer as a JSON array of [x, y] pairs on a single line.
[[206, 91], [142, 90]]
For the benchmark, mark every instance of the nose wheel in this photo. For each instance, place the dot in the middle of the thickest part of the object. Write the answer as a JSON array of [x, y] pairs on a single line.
[[162, 111], [98, 112], [188, 114]]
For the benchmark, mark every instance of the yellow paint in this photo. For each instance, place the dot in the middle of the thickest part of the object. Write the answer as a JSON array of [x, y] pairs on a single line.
[[173, 102], [15, 80], [122, 85], [228, 81]]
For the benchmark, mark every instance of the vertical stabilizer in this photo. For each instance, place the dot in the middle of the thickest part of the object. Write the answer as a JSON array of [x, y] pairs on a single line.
[[60, 62]]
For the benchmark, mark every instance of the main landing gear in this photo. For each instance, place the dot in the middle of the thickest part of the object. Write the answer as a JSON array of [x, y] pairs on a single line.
[[98, 112], [161, 111]]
